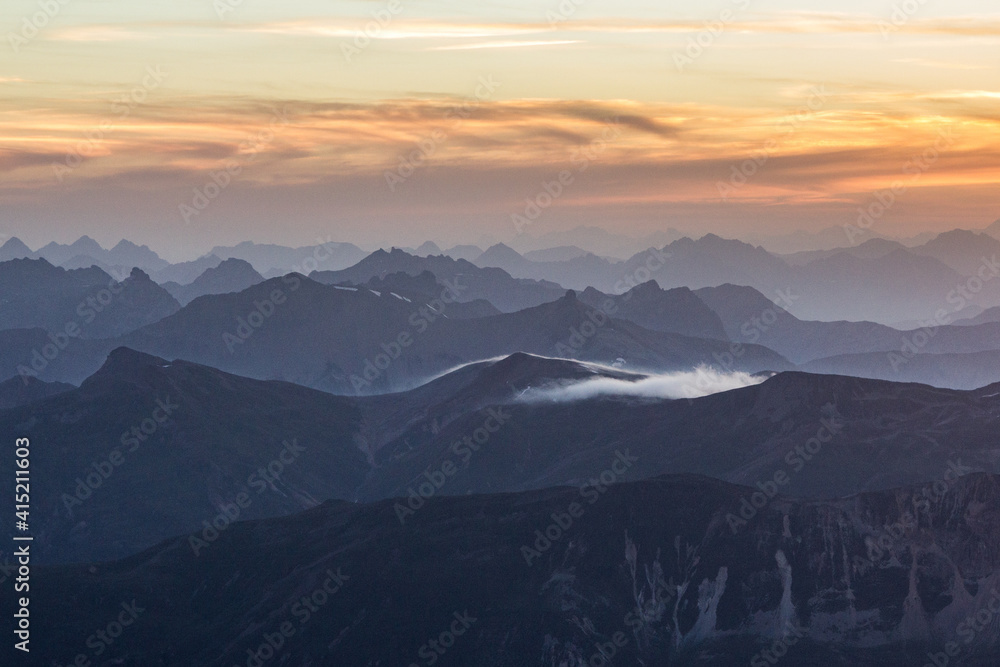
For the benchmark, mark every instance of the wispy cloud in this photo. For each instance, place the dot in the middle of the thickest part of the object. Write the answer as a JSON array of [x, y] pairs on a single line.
[[940, 64], [423, 29], [107, 33], [399, 29], [505, 45], [691, 384]]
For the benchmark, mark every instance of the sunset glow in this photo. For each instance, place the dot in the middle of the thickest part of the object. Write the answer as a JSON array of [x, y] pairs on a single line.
[[112, 115]]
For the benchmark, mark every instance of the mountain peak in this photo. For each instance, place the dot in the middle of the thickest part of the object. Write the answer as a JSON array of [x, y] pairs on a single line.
[[993, 230], [520, 370], [400, 281], [124, 363], [25, 267], [501, 250], [956, 236], [429, 249], [87, 244], [139, 274], [14, 248], [234, 263], [648, 287]]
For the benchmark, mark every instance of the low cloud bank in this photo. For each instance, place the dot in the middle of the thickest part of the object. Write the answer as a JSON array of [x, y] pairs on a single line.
[[689, 384]]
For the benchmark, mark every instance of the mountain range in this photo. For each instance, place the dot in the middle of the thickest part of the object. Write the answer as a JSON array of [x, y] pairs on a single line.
[[275, 260], [86, 252], [501, 426], [697, 456], [647, 328], [87, 303], [898, 284], [492, 284], [902, 284], [230, 275]]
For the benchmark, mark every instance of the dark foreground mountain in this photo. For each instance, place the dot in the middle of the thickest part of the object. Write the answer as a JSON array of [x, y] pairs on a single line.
[[816, 435], [909, 363], [659, 572], [148, 448]]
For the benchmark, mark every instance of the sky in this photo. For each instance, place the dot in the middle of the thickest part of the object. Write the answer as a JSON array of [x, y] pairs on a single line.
[[191, 123]]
